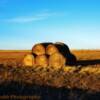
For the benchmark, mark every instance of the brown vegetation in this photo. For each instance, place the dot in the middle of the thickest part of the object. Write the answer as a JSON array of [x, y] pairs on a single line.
[[80, 76], [86, 54], [13, 57]]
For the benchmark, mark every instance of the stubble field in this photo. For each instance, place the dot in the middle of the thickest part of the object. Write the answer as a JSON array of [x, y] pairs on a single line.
[[78, 82]]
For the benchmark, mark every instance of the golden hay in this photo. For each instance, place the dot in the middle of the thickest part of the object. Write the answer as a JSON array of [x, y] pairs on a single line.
[[38, 49], [51, 49], [28, 60], [41, 60], [57, 60], [69, 68], [91, 70]]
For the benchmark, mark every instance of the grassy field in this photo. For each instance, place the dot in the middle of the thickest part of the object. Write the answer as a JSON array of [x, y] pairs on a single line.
[[12, 57], [86, 54], [15, 57], [80, 54], [83, 77]]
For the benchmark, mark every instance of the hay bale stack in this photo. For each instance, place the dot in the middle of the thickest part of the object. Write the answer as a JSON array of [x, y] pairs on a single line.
[[28, 60], [58, 53], [38, 49], [51, 49], [41, 60], [57, 60]]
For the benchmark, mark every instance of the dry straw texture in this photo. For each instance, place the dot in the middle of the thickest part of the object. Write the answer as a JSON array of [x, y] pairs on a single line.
[[57, 60], [51, 49], [29, 60], [38, 49], [41, 60]]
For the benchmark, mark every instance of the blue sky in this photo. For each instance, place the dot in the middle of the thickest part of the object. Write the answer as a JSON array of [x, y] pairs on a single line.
[[26, 22]]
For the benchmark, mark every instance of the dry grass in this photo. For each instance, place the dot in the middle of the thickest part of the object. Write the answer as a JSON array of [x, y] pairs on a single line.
[[13, 56], [86, 54], [82, 77]]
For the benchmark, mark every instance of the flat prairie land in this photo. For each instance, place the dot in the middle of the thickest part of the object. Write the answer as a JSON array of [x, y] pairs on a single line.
[[18, 55], [86, 54], [81, 80], [12, 57]]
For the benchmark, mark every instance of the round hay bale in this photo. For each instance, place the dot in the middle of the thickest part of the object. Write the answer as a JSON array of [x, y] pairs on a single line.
[[38, 49], [29, 60], [51, 49], [45, 44], [63, 48], [65, 51], [57, 60], [41, 61]]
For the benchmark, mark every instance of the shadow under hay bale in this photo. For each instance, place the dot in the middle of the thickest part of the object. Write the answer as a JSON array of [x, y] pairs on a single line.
[[41, 60], [57, 60], [51, 49], [65, 51], [71, 59], [28, 60]]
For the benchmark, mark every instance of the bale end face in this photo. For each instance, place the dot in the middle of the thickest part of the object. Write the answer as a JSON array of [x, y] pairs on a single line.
[[28, 60], [38, 49], [51, 49], [41, 61], [57, 60]]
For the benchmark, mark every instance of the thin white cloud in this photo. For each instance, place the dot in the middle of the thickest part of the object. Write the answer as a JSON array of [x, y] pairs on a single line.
[[38, 17], [24, 19], [52, 14]]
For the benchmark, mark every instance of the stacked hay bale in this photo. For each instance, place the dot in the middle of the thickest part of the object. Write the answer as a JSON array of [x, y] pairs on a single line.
[[39, 51], [55, 55], [51, 49], [28, 60], [41, 61], [56, 59]]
